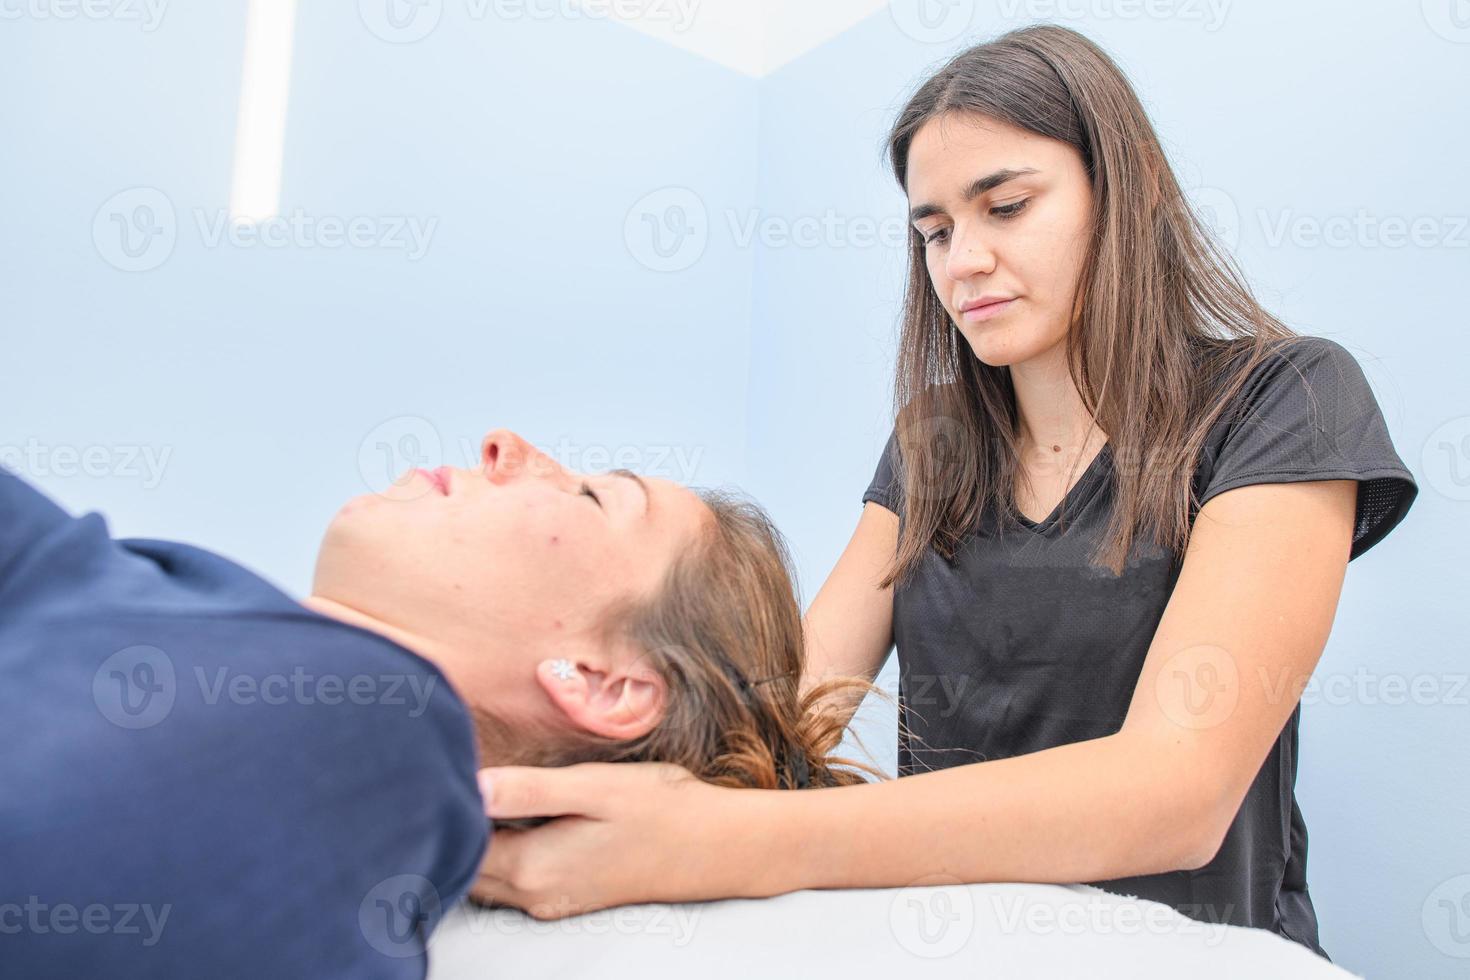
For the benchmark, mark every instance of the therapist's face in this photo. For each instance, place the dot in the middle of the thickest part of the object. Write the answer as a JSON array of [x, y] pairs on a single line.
[[517, 557], [1026, 237]]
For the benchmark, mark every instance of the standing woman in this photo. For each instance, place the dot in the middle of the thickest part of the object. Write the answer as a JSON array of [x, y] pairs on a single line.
[[1107, 537]]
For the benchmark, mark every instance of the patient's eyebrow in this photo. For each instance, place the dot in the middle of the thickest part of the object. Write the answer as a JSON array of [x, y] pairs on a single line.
[[641, 485]]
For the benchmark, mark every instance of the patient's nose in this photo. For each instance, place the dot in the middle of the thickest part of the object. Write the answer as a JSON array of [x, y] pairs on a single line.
[[505, 456]]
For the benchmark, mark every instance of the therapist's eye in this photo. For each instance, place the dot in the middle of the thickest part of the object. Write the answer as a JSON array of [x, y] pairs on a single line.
[[1007, 211], [937, 237], [587, 491]]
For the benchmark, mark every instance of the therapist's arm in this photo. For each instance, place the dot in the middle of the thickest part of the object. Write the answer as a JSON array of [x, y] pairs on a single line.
[[1240, 636], [848, 629]]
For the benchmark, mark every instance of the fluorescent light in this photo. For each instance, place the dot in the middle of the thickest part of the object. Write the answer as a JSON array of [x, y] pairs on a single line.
[[260, 133]]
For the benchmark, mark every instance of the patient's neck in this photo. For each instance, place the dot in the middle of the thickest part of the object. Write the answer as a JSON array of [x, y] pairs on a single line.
[[420, 645]]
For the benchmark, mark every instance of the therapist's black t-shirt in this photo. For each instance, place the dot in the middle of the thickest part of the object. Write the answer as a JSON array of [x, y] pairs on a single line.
[[203, 778], [1049, 648]]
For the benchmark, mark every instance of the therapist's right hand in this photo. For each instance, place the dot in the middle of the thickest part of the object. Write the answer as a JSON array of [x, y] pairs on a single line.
[[620, 834]]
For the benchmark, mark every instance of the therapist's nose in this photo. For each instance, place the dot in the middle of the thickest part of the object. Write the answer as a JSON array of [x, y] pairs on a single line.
[[505, 457], [969, 254]]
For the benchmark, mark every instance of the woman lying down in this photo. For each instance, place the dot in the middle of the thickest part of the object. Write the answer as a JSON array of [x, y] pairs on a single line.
[[205, 776]]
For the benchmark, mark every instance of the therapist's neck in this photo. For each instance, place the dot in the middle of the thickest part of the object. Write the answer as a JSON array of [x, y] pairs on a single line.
[[1049, 408]]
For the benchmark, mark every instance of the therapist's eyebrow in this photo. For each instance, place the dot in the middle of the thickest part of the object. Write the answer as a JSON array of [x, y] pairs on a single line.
[[641, 485], [977, 187]]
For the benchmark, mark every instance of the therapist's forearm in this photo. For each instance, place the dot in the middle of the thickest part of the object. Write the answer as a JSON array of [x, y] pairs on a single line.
[[1086, 811]]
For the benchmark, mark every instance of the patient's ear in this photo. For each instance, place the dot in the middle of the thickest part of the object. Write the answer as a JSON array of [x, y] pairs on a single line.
[[621, 699]]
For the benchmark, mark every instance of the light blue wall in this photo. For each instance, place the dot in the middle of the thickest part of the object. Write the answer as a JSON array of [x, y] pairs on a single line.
[[536, 151]]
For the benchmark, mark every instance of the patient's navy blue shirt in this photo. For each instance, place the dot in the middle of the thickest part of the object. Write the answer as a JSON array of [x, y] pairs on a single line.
[[1020, 644], [202, 777]]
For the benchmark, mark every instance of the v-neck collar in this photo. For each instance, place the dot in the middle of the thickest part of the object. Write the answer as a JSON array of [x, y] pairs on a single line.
[[1076, 496]]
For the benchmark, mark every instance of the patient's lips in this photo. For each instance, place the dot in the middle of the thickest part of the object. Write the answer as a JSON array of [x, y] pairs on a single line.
[[440, 478]]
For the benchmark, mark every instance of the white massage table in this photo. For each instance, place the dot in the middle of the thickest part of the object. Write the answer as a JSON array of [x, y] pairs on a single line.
[[964, 932]]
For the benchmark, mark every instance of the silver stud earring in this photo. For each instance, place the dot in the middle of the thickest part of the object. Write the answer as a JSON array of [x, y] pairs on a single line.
[[563, 669]]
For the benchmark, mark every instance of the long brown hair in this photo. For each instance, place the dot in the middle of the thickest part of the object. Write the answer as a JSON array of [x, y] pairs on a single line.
[[1166, 329], [724, 631]]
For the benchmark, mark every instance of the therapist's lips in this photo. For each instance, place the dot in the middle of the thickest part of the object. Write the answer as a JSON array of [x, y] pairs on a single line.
[[985, 311]]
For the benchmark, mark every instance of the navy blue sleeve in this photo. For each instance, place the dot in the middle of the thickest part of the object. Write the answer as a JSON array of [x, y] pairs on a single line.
[[1308, 413], [26, 516]]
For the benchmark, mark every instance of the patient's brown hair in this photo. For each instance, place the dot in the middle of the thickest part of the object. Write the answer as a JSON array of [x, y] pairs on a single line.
[[724, 631]]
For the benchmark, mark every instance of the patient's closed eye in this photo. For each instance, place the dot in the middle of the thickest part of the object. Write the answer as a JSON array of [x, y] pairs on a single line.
[[587, 489]]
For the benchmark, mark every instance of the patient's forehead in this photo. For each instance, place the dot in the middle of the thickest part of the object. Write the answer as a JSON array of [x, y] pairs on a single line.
[[676, 511]]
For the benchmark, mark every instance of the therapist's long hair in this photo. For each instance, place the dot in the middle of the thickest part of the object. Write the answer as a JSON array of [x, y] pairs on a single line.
[[1166, 329]]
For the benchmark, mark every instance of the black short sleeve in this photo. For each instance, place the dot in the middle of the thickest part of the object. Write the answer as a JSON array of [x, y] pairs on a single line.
[[885, 488], [1307, 413]]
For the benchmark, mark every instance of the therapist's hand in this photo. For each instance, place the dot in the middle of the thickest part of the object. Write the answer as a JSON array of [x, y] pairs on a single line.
[[624, 833]]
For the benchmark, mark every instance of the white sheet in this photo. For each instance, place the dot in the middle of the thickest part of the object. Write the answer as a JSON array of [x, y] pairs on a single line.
[[964, 932]]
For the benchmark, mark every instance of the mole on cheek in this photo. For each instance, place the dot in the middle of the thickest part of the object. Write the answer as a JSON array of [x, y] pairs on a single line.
[[554, 539]]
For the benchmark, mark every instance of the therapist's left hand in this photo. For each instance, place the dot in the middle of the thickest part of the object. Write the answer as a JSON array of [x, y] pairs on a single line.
[[623, 833]]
